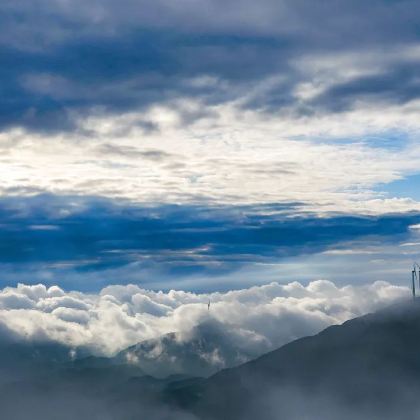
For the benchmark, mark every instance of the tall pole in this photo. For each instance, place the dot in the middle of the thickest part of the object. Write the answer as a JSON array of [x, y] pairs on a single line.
[[416, 267], [413, 284]]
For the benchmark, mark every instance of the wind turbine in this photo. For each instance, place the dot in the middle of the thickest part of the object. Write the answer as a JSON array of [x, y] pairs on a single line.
[[414, 277]]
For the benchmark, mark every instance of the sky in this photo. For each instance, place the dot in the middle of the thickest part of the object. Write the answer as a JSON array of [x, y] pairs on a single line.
[[208, 146]]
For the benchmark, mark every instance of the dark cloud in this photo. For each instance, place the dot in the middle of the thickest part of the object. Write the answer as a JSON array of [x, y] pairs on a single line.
[[49, 89], [96, 234], [59, 62], [398, 84]]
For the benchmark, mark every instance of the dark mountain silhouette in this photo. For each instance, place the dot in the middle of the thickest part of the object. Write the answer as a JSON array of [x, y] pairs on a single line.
[[367, 368]]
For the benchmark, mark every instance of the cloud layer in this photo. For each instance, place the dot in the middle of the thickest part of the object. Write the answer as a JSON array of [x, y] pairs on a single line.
[[65, 60], [253, 320], [88, 242], [224, 102]]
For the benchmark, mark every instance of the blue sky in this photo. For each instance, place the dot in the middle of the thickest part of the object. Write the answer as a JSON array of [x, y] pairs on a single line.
[[208, 145], [405, 187]]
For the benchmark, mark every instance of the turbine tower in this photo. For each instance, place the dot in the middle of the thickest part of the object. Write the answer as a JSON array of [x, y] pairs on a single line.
[[413, 282], [414, 277]]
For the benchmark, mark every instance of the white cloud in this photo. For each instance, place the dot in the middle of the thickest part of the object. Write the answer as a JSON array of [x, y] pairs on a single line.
[[229, 156], [255, 320]]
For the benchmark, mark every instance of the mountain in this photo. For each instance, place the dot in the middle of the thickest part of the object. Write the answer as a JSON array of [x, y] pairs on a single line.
[[367, 368], [206, 349], [40, 381], [20, 359]]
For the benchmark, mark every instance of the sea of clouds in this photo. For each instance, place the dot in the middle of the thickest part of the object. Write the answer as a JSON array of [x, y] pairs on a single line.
[[258, 319]]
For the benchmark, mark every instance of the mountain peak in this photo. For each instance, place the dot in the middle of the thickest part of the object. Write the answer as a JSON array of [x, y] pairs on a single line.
[[201, 351]]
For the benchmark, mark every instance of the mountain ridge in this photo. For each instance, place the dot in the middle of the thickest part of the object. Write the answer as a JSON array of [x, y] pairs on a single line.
[[369, 365]]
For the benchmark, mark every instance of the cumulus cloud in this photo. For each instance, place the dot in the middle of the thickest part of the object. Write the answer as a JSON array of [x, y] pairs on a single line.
[[253, 321]]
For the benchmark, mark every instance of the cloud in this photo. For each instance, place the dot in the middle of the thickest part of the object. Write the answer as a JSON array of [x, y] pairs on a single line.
[[131, 152], [88, 234], [137, 54], [211, 160], [154, 103], [251, 321]]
